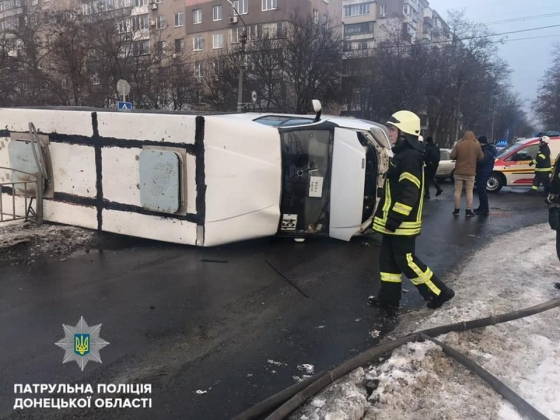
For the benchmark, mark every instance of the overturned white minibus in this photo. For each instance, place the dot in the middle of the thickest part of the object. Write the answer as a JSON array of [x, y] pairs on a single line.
[[201, 180]]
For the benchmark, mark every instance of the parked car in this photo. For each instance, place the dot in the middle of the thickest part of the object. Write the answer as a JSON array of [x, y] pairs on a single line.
[[548, 133], [446, 167]]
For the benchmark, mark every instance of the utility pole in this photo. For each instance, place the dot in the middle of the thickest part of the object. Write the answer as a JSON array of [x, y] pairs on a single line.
[[243, 41]]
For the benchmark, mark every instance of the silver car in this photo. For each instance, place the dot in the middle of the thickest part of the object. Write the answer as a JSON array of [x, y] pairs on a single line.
[[446, 167]]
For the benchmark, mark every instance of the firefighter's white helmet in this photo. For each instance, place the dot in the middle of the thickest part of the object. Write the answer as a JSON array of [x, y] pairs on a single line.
[[545, 139], [406, 121]]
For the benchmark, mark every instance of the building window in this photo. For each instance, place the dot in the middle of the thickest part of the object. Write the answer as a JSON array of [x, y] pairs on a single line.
[[123, 3], [179, 19], [356, 10], [406, 9], [218, 41], [161, 46], [140, 22], [198, 96], [235, 34], [198, 70], [95, 80], [198, 43], [123, 27], [217, 13], [242, 6], [269, 4], [160, 23], [139, 3], [358, 28], [218, 67], [383, 10], [279, 30], [141, 47], [87, 8], [197, 16], [179, 45]]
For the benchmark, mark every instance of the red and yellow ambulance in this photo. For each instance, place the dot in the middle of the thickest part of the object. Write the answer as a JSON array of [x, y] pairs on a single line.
[[511, 167]]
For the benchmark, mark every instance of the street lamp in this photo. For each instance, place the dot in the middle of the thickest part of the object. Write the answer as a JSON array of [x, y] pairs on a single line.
[[243, 41]]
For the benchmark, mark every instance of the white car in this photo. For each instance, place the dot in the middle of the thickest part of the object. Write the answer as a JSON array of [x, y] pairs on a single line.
[[201, 180], [446, 167]]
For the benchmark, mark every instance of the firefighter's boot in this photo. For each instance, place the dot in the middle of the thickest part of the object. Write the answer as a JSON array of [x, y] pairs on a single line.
[[443, 297], [390, 307]]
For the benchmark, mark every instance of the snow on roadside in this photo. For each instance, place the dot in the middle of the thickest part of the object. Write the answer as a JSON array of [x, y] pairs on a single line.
[[24, 242], [419, 382]]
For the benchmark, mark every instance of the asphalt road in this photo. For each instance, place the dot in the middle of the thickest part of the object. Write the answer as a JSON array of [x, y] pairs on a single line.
[[233, 322]]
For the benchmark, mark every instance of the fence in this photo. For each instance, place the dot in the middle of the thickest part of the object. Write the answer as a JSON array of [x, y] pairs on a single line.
[[11, 193]]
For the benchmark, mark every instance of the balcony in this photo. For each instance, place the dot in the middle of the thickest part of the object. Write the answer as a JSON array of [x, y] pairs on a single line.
[[428, 21], [412, 4], [406, 37]]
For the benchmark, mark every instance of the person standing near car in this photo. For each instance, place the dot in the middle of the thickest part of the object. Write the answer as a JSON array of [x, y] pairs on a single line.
[[543, 166], [399, 219], [467, 152], [431, 160], [483, 171]]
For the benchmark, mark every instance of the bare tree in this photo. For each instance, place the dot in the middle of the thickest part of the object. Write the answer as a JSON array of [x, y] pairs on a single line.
[[454, 85], [66, 63], [23, 39], [547, 105], [313, 63], [9, 71], [265, 71], [219, 77]]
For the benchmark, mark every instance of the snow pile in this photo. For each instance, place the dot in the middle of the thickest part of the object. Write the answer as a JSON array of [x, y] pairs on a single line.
[[344, 400], [25, 242], [308, 369], [419, 382]]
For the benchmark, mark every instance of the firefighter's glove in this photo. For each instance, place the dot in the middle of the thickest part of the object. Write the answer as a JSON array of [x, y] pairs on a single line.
[[392, 224], [532, 163]]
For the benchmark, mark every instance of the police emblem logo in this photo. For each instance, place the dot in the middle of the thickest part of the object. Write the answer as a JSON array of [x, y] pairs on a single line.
[[81, 343]]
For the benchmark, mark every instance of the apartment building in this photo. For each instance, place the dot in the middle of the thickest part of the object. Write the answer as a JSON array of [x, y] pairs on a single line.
[[214, 25], [360, 18], [367, 22]]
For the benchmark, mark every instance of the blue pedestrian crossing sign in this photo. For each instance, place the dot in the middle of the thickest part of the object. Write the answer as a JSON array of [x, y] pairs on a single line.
[[125, 106]]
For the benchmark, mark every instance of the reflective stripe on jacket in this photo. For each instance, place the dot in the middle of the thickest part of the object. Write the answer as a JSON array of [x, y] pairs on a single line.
[[402, 201], [542, 161]]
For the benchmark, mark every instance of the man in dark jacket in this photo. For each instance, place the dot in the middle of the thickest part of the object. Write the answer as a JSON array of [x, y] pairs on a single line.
[[543, 166], [484, 169], [399, 219], [431, 159]]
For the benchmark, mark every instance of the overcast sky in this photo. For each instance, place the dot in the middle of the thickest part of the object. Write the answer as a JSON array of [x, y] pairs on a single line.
[[528, 58]]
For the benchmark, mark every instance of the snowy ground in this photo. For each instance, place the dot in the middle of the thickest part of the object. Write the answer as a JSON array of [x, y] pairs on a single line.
[[26, 243], [419, 382]]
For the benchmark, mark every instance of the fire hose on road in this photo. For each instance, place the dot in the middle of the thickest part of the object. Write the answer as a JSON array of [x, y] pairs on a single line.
[[287, 401]]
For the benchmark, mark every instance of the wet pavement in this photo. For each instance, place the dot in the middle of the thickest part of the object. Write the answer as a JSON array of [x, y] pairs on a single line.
[[232, 323]]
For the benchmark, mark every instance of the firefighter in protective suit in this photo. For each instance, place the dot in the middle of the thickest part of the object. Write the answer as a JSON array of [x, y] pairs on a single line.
[[399, 219], [543, 166]]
